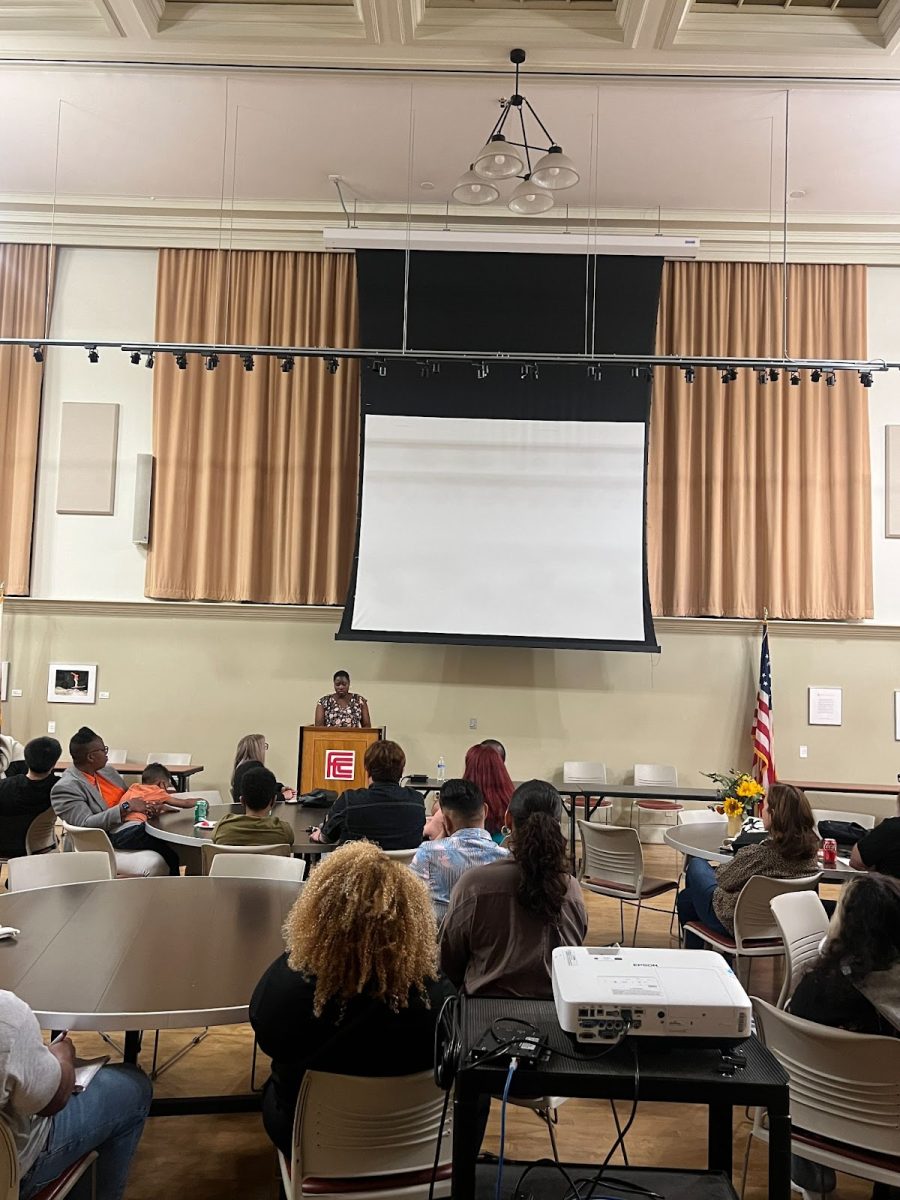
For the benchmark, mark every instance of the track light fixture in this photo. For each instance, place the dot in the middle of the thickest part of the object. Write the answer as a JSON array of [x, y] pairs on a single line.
[[150, 360], [134, 357], [247, 360], [37, 353], [181, 362], [594, 373], [729, 374], [830, 379], [762, 377], [331, 365], [529, 371], [481, 370], [689, 374], [774, 375], [635, 372], [815, 375], [378, 366], [866, 378], [795, 378], [500, 159], [287, 365], [94, 355], [212, 361]]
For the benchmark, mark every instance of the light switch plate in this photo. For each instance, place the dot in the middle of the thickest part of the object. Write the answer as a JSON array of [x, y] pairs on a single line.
[[104, 695], [804, 751], [16, 692]]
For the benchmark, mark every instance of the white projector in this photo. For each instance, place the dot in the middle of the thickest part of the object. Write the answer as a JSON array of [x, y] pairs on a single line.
[[604, 992]]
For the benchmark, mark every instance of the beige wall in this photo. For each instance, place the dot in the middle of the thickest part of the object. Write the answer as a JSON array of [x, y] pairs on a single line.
[[197, 679]]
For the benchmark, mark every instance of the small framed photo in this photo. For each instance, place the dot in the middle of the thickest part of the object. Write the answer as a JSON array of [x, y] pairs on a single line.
[[72, 683], [825, 705], [4, 679]]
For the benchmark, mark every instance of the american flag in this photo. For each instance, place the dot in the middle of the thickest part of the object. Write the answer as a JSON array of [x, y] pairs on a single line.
[[762, 731]]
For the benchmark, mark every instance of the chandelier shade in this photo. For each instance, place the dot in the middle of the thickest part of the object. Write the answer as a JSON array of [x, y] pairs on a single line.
[[528, 198], [472, 189], [555, 170], [498, 159]]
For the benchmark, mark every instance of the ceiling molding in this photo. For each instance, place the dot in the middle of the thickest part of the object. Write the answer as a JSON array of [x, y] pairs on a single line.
[[218, 22]]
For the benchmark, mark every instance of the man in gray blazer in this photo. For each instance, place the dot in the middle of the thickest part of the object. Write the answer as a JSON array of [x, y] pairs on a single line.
[[89, 793]]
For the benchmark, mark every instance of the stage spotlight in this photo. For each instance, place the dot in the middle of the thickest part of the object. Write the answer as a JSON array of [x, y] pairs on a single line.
[[481, 370], [134, 356], [150, 360], [287, 365], [331, 366], [726, 376], [378, 366], [181, 362], [212, 361], [247, 360], [94, 354], [37, 353], [689, 374], [815, 375], [795, 379], [762, 377], [774, 375], [529, 371], [830, 379], [865, 378], [594, 373], [635, 372]]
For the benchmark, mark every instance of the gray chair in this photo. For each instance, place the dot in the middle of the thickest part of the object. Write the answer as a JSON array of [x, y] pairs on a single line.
[[803, 923], [612, 864]]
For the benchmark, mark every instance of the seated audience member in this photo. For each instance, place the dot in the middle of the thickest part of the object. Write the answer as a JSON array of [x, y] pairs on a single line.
[[52, 1126], [12, 756], [879, 850], [371, 1011], [789, 852], [256, 825], [383, 811], [493, 744], [854, 984], [506, 919], [250, 753], [91, 793], [486, 768], [24, 797], [465, 843]]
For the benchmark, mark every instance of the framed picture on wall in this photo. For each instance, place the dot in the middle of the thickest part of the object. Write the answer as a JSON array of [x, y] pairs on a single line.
[[4, 679], [72, 683]]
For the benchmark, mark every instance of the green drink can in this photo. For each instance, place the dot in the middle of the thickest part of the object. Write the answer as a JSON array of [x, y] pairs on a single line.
[[201, 810]]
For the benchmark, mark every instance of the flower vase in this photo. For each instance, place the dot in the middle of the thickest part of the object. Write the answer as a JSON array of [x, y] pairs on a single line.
[[735, 824]]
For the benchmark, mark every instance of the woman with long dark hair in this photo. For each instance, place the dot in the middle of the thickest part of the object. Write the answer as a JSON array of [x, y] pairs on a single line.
[[506, 919], [487, 770]]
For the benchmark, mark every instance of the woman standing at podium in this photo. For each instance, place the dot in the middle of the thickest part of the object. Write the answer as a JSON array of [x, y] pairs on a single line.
[[343, 709]]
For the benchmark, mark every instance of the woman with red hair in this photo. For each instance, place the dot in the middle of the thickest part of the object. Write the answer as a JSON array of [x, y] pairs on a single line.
[[487, 770]]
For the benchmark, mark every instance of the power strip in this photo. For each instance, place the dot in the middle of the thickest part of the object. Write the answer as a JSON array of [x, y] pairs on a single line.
[[530, 1049]]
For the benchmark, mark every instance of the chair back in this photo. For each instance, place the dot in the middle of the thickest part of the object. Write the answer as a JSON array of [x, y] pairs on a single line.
[[84, 838], [349, 1126], [867, 820], [9, 1164], [41, 833], [803, 922], [257, 866], [611, 854], [694, 816], [209, 851], [654, 774], [116, 758], [169, 758], [403, 856], [753, 916], [843, 1085], [584, 772], [51, 870]]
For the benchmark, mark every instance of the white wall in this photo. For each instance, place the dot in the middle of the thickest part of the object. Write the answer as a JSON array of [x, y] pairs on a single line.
[[104, 294]]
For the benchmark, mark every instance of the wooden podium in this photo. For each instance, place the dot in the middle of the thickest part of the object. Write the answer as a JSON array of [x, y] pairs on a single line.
[[332, 759]]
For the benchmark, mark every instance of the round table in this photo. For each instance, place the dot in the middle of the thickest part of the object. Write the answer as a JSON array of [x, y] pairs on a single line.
[[178, 827], [703, 839]]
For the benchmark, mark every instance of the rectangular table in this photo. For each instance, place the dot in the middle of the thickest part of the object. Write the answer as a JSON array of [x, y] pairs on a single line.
[[846, 789], [595, 790], [682, 1074], [179, 774]]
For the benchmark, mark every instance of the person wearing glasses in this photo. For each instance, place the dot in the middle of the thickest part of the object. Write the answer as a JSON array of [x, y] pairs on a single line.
[[250, 754], [91, 793]]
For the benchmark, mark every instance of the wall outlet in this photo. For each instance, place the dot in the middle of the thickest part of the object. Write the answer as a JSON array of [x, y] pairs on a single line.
[[16, 692], [804, 751], [51, 727], [473, 722], [104, 695]]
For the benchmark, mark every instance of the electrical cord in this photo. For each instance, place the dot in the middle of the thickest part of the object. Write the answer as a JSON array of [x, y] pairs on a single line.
[[513, 1064], [437, 1150], [620, 1140]]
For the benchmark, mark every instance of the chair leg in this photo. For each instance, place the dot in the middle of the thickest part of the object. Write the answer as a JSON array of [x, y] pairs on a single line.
[[115, 1045], [637, 920], [156, 1071], [746, 1164], [621, 923], [548, 1116]]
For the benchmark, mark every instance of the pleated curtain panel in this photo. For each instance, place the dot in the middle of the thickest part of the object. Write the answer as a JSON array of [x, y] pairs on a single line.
[[759, 497], [24, 289], [256, 471]]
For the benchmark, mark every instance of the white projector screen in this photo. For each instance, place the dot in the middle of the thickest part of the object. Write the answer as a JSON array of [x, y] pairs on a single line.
[[476, 528]]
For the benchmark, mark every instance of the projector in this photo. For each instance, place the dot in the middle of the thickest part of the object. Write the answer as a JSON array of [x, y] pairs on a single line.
[[603, 993]]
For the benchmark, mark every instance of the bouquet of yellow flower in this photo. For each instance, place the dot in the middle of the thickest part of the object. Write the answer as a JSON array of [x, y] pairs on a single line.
[[738, 791]]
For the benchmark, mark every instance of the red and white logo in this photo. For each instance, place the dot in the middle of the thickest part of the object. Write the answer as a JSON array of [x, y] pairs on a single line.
[[340, 764]]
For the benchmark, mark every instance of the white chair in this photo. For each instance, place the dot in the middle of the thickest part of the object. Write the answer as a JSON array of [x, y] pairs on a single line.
[[257, 866], [803, 923], [845, 1095], [612, 864], [654, 775], [169, 758], [357, 1137], [124, 864], [52, 870], [402, 856], [61, 1187], [867, 820], [209, 852], [756, 934], [116, 758], [589, 775], [40, 837]]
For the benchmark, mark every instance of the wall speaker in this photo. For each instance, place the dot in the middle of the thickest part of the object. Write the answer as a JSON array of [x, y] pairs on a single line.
[[143, 494]]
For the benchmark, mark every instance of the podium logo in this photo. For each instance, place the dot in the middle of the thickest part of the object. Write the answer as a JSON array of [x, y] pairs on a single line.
[[340, 764]]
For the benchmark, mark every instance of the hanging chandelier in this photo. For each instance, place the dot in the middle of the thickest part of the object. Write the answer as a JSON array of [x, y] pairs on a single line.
[[501, 159]]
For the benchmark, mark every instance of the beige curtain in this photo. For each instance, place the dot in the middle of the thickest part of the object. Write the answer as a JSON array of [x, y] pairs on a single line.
[[23, 307], [759, 496], [256, 472]]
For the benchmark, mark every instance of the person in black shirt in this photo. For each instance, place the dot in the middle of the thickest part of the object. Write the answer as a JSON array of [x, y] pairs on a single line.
[[358, 991], [384, 812], [879, 850], [24, 797]]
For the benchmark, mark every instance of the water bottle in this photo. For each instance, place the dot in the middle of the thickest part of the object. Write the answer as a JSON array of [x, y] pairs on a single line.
[[441, 770]]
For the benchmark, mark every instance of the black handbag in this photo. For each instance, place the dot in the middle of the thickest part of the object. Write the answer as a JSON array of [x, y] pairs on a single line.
[[845, 833]]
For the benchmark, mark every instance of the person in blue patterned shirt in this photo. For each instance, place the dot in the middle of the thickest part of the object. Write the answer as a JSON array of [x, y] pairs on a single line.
[[466, 843]]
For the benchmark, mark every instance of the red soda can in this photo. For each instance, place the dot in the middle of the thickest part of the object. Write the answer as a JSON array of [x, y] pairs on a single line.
[[829, 852]]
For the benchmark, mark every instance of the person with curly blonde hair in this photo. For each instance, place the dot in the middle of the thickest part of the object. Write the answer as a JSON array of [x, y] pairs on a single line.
[[357, 991]]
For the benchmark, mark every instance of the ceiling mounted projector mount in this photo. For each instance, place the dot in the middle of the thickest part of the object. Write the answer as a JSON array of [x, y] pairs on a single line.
[[501, 158]]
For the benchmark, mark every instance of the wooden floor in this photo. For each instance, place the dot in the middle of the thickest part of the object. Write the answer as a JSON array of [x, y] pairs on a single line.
[[230, 1155]]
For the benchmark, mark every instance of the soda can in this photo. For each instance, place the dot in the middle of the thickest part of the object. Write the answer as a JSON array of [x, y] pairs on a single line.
[[829, 852], [201, 810]]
